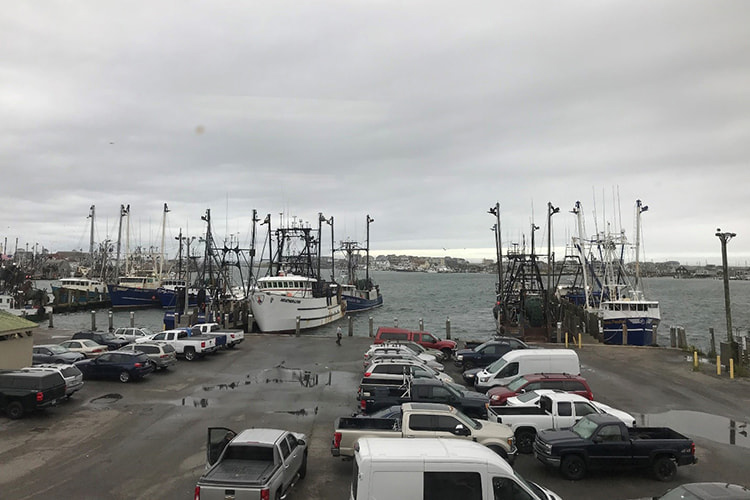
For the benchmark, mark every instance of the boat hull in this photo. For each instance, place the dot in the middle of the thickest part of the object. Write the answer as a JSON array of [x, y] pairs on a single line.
[[640, 331], [131, 297], [355, 303], [275, 313], [168, 298]]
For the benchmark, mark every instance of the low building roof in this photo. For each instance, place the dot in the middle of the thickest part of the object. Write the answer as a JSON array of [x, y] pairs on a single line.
[[10, 323]]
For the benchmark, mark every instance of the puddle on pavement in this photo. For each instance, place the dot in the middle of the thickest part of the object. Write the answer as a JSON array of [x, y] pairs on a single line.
[[107, 398], [698, 424], [281, 374], [302, 412], [195, 402]]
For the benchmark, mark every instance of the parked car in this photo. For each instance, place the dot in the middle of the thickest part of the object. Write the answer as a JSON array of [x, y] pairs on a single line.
[[87, 347], [256, 463], [23, 392], [54, 353], [192, 347], [535, 381], [705, 491], [525, 361], [124, 366], [408, 355], [162, 355], [484, 354], [396, 369], [376, 349], [132, 334], [420, 349], [425, 339], [71, 374], [103, 338]]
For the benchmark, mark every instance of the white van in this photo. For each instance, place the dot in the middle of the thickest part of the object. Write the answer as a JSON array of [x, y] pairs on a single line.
[[436, 469], [526, 361]]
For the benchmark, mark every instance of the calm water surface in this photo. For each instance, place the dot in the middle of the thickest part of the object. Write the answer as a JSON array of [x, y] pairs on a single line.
[[467, 299]]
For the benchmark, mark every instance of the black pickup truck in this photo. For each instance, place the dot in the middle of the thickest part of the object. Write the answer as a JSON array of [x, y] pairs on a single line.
[[22, 392], [605, 442], [424, 390]]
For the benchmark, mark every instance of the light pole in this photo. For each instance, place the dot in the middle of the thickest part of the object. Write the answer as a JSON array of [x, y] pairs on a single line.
[[498, 249], [551, 210], [370, 220], [724, 237]]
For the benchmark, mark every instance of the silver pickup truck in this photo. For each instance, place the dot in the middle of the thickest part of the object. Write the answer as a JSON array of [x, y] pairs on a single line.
[[256, 464]]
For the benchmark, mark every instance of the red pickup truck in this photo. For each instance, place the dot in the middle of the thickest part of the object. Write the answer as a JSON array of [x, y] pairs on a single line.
[[425, 339]]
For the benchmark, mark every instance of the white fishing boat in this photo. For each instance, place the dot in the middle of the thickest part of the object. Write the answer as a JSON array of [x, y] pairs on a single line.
[[293, 295]]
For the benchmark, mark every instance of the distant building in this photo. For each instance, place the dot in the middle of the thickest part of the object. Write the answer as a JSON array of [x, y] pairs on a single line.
[[16, 341]]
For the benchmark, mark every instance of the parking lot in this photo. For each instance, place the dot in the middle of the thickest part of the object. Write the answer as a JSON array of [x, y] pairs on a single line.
[[146, 439]]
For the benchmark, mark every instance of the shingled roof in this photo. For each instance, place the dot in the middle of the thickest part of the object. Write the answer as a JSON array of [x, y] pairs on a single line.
[[10, 323]]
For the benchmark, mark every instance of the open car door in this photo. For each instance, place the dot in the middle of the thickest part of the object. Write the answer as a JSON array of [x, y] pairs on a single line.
[[218, 439]]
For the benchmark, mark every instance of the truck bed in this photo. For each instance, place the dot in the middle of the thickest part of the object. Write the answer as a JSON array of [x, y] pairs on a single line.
[[354, 423], [240, 472], [643, 433]]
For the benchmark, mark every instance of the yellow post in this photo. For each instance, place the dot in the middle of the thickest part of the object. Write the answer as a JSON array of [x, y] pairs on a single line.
[[580, 341], [695, 359], [731, 368], [566, 340], [718, 365]]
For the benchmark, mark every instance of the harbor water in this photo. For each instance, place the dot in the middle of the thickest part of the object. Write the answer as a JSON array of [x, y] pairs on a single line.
[[466, 300]]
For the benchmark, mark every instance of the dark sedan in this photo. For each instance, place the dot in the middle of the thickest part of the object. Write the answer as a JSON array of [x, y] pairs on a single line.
[[123, 366], [53, 353], [104, 338]]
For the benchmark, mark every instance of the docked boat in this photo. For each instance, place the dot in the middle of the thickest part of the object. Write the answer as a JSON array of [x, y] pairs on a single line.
[[293, 295], [135, 291], [625, 315], [359, 294], [79, 290], [29, 310]]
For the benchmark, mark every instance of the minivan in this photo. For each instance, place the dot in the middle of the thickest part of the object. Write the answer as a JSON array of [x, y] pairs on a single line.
[[438, 469], [525, 361]]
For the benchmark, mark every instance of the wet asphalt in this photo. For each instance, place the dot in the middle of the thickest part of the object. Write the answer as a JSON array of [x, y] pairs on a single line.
[[146, 439]]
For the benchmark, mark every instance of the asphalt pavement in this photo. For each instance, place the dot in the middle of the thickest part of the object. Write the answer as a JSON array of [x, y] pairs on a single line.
[[146, 439]]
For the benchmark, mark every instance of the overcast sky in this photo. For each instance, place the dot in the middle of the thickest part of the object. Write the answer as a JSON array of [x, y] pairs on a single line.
[[423, 114]]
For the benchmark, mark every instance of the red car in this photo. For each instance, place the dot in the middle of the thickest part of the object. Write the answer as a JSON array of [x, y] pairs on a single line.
[[562, 381], [425, 339]]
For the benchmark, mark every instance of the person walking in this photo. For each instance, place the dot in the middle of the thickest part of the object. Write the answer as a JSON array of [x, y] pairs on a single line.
[[338, 335]]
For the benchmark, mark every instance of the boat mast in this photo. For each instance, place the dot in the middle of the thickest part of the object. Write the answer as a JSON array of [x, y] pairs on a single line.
[[123, 211], [91, 238], [578, 211], [367, 250], [127, 241], [498, 249], [252, 253], [163, 232], [640, 208]]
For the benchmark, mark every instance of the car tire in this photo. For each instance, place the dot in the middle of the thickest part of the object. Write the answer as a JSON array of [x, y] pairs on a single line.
[[468, 365], [278, 495], [447, 352], [190, 354], [303, 468], [573, 467], [525, 440], [664, 469], [124, 377], [14, 410]]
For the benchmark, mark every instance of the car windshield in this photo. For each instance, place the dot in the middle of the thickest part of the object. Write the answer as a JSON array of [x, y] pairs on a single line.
[[89, 343], [108, 336], [584, 428], [679, 493], [56, 349], [521, 480], [480, 347], [496, 366], [146, 331], [467, 421], [516, 383], [527, 396]]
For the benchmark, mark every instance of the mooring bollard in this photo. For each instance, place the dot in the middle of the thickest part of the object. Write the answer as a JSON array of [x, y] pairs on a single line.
[[93, 321], [395, 322], [695, 360], [624, 334], [132, 319], [566, 340], [351, 325], [50, 320], [111, 321], [731, 368], [421, 325], [718, 365], [296, 328], [448, 327], [558, 332], [370, 321], [580, 341], [673, 336]]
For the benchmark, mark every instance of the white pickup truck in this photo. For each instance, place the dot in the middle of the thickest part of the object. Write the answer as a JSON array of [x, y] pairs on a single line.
[[422, 420], [184, 344], [254, 464], [554, 410], [234, 337]]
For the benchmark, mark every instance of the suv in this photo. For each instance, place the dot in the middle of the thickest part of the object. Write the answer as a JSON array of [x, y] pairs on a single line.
[[121, 365], [395, 369], [103, 338], [72, 375], [484, 354], [562, 381], [53, 353], [386, 334], [161, 354], [132, 334], [22, 392]]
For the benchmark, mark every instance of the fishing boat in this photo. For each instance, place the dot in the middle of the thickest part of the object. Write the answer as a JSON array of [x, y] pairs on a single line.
[[79, 290], [625, 315], [293, 295], [31, 310], [359, 294]]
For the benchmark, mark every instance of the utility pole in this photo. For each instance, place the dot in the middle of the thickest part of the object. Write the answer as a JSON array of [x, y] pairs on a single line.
[[724, 237], [551, 210]]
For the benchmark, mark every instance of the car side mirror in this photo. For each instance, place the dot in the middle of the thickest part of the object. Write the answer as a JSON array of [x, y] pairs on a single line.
[[597, 439], [301, 442], [460, 430]]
